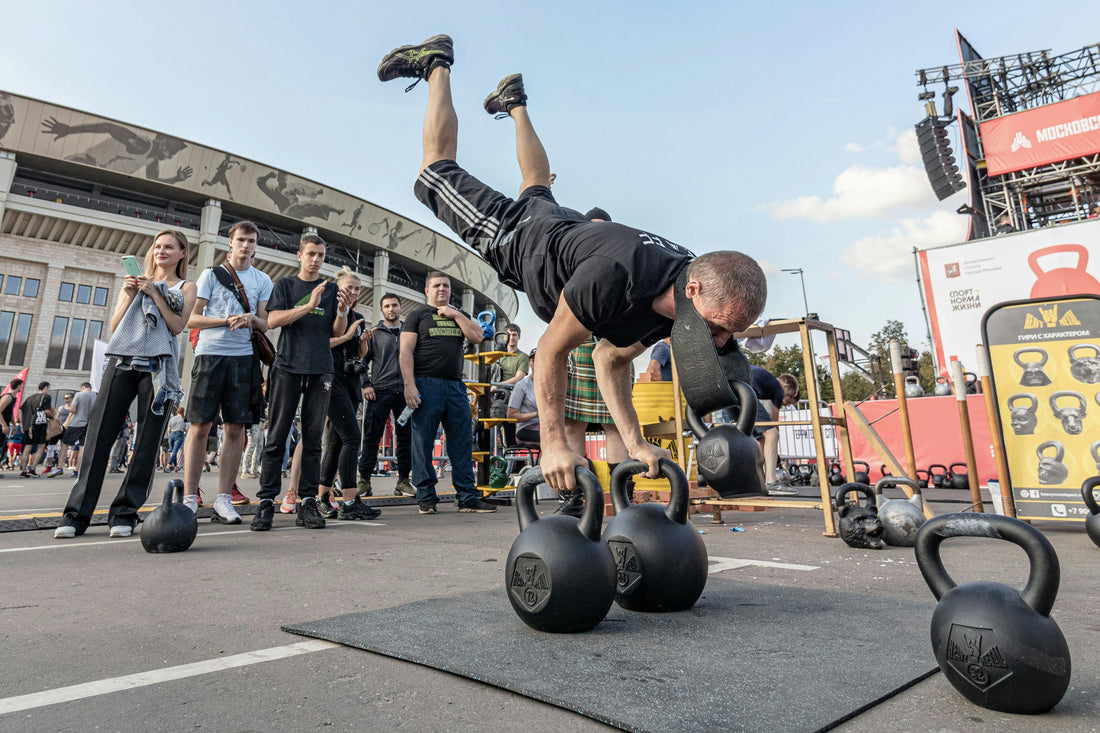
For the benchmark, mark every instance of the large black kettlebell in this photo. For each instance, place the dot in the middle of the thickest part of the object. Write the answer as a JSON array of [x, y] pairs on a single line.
[[956, 479], [172, 526], [858, 526], [997, 646], [728, 456], [559, 575], [1092, 521], [660, 558], [864, 476]]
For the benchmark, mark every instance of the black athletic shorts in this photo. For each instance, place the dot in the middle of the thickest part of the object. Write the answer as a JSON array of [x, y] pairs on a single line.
[[35, 435], [74, 437], [221, 383], [486, 219]]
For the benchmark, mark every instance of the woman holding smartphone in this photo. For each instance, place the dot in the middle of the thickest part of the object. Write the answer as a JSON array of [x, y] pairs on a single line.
[[144, 362]]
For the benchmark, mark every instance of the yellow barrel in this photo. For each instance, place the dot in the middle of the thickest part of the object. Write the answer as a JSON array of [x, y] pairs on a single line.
[[654, 403]]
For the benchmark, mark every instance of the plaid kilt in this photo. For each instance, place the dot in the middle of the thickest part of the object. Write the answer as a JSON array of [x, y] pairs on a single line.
[[583, 400]]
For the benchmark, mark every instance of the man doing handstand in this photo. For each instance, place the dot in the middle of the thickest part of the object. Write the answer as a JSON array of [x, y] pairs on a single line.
[[581, 277]]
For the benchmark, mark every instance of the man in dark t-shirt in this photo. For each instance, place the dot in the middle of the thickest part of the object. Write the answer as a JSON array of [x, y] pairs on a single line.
[[431, 369], [308, 309], [34, 413], [582, 277]]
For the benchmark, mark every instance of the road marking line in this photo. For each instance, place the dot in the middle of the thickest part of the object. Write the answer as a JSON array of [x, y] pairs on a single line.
[[71, 545], [719, 564], [156, 676]]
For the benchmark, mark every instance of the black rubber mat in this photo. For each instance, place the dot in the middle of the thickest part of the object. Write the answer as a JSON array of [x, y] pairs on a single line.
[[747, 657]]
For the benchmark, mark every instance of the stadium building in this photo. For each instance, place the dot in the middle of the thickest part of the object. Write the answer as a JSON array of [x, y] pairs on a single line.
[[78, 191]]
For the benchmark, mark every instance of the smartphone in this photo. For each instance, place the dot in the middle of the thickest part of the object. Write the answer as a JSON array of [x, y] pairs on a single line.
[[130, 263]]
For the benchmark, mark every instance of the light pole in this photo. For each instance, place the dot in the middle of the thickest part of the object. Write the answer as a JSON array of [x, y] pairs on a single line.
[[798, 271]]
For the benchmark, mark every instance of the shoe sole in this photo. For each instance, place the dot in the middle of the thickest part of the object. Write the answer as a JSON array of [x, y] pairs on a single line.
[[241, 502], [284, 510], [259, 528], [471, 510], [309, 526], [429, 511], [216, 518]]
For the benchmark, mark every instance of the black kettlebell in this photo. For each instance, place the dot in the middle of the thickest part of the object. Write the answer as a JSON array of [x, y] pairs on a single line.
[[660, 558], [1092, 521], [171, 527], [728, 456], [560, 576], [884, 471], [858, 526], [939, 480], [997, 646], [922, 478], [956, 479], [864, 476], [836, 475]]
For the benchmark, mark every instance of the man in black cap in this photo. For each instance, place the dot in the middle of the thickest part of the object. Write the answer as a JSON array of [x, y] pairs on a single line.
[[581, 277]]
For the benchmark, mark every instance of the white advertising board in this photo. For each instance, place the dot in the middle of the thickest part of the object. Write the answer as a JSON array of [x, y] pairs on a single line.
[[962, 281]]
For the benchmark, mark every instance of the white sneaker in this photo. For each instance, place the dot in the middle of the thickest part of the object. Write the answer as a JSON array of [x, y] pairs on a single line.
[[54, 473], [120, 530], [64, 533], [224, 513], [192, 502], [289, 505]]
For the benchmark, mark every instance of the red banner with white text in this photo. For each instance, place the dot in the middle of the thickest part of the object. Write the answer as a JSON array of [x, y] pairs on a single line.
[[1047, 134]]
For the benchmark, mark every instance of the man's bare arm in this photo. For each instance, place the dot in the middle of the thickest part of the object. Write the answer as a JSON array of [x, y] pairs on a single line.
[[613, 376], [407, 364], [563, 334]]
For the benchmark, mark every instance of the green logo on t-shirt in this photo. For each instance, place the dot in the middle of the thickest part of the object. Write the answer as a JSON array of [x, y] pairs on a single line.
[[444, 327], [318, 311]]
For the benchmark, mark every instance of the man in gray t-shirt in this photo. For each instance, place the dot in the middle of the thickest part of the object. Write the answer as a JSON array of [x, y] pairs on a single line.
[[76, 425]]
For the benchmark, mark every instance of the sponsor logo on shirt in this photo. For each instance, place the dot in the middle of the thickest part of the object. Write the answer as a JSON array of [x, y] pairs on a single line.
[[318, 311], [444, 327]]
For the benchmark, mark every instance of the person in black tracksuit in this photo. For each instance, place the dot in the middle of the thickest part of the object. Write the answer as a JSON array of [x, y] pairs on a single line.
[[384, 391], [341, 441]]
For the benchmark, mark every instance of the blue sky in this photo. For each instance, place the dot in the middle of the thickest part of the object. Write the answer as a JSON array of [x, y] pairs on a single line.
[[781, 130]]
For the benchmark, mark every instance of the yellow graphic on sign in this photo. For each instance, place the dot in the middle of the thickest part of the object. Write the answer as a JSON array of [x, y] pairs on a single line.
[[1049, 318]]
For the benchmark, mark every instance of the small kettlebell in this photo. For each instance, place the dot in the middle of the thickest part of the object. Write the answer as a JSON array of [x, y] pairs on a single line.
[[1085, 368], [858, 526], [901, 518], [836, 475], [922, 478], [498, 473], [997, 646], [1033, 375], [1073, 416], [1092, 521], [973, 384], [171, 527], [486, 319], [864, 476], [1051, 470], [943, 386], [1023, 417], [660, 558], [728, 456], [559, 575], [939, 480], [957, 478], [913, 387]]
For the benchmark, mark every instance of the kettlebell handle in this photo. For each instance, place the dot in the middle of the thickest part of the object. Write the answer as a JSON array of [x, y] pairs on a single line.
[[1095, 449], [1033, 401], [175, 486], [952, 468], [864, 489], [1045, 572], [677, 510], [1074, 349], [591, 519], [1079, 250], [1089, 498], [1059, 450], [885, 481], [497, 462], [1081, 401], [746, 420], [1030, 350]]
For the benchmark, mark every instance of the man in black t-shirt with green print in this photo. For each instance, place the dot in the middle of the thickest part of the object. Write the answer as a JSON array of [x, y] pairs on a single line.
[[307, 309], [582, 277], [431, 368]]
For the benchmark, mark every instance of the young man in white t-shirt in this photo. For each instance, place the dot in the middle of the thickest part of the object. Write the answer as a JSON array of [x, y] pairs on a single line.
[[223, 375]]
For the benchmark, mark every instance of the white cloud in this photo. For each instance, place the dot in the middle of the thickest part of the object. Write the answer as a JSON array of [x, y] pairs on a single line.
[[863, 192], [890, 255], [770, 268], [854, 148], [905, 145]]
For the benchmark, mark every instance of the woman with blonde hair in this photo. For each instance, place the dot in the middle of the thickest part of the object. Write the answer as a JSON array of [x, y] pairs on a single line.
[[150, 312]]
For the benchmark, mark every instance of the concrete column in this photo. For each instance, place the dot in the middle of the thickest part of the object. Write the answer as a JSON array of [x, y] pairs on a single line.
[[380, 283], [7, 175], [209, 224]]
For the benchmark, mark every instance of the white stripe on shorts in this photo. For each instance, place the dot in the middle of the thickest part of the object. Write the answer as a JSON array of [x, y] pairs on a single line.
[[462, 208]]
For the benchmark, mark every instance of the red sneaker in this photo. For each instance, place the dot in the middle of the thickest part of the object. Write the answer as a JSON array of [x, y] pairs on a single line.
[[237, 498]]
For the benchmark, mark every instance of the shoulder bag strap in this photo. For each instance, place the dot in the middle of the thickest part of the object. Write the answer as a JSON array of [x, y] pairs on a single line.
[[237, 287]]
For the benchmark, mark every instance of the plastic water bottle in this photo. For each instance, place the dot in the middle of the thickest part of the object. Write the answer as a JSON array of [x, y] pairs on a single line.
[[404, 416]]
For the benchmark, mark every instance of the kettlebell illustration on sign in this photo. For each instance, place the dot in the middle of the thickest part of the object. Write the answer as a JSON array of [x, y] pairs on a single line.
[[1033, 375], [1023, 416], [1051, 469], [1062, 280], [1085, 368]]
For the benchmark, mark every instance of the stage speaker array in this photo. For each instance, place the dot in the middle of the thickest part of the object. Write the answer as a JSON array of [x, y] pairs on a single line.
[[939, 162]]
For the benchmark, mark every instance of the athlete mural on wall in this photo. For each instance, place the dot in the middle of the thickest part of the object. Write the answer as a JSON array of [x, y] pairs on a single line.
[[295, 198], [124, 150], [219, 177], [7, 114]]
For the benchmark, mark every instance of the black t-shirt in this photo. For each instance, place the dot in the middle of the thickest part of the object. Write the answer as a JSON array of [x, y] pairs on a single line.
[[438, 344], [608, 272], [303, 345], [31, 405], [344, 352], [766, 386]]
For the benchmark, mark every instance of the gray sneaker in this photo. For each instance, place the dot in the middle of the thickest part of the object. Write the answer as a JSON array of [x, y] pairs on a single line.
[[778, 489], [404, 488], [509, 93], [417, 60]]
